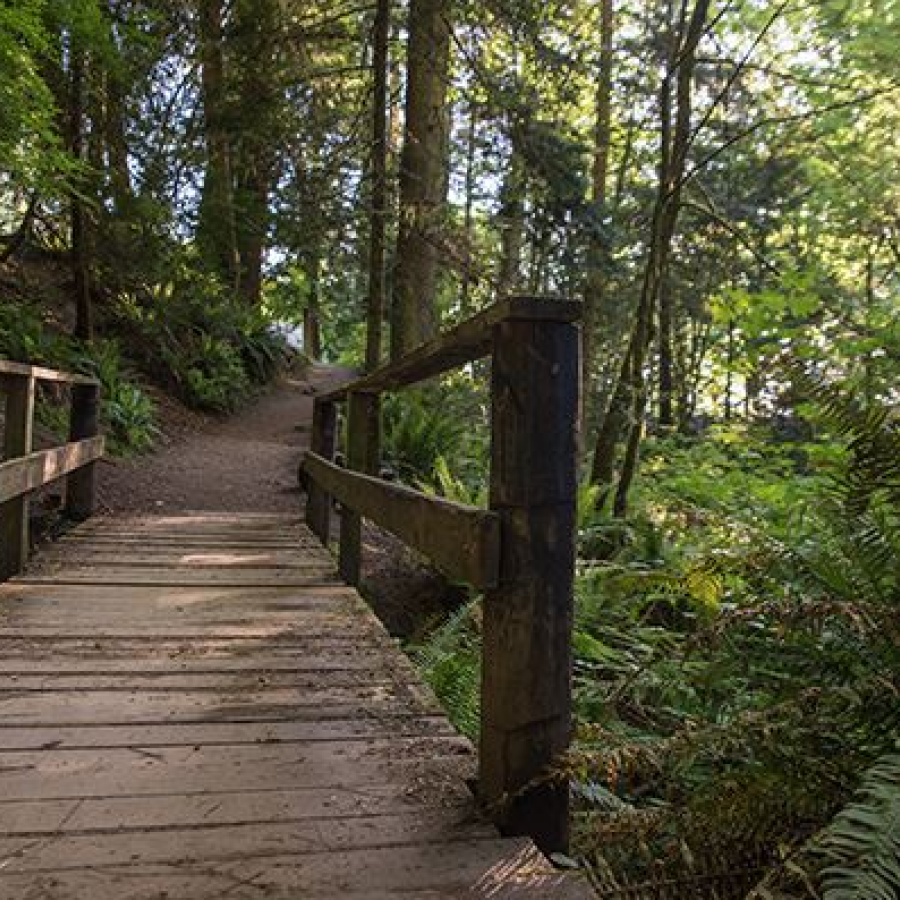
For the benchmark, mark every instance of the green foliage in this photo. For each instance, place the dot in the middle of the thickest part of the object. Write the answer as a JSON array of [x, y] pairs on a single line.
[[127, 413], [427, 428], [450, 663], [207, 345], [861, 845], [731, 696]]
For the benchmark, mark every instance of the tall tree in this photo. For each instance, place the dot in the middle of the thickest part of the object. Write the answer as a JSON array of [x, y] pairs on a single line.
[[216, 229], [378, 201], [628, 403], [423, 175], [597, 251]]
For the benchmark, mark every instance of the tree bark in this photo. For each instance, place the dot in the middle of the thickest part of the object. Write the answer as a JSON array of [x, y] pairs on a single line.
[[378, 212], [675, 130], [598, 250], [84, 325], [216, 228], [257, 87], [423, 175]]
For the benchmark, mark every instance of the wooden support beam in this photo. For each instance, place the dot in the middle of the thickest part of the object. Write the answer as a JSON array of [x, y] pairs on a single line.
[[363, 438], [14, 538], [322, 442], [462, 541], [22, 370], [21, 476], [84, 424], [527, 620], [466, 342]]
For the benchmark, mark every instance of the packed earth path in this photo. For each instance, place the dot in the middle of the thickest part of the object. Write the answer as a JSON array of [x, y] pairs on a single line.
[[247, 462]]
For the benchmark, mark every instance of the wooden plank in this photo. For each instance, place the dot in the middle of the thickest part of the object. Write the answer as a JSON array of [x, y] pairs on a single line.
[[55, 558], [14, 526], [244, 839], [461, 540], [21, 476], [228, 806], [22, 370], [466, 342], [444, 870], [132, 772], [173, 577], [191, 734]]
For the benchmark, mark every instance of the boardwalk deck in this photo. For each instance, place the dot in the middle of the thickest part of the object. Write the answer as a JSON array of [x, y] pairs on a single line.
[[194, 707]]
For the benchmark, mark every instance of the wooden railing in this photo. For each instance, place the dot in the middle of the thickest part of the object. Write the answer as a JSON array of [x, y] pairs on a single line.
[[520, 552], [24, 470]]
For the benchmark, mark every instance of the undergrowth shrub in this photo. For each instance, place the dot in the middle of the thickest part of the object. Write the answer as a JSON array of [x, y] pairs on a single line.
[[429, 431], [738, 687], [208, 346], [127, 414]]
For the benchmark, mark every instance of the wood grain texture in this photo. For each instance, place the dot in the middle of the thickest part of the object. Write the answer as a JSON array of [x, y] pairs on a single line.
[[28, 473], [466, 342], [21, 370], [463, 541], [18, 428], [208, 739]]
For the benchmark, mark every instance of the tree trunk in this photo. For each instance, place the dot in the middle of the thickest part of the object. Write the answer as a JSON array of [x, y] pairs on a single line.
[[81, 276], [468, 279], [216, 227], [598, 250], [423, 175], [257, 80], [630, 393], [114, 129], [512, 225], [378, 212]]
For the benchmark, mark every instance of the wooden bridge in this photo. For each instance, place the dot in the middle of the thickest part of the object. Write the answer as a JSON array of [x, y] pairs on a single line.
[[198, 706]]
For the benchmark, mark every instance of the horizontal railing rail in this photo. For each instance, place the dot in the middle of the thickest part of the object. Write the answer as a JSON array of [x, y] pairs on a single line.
[[25, 470], [520, 552]]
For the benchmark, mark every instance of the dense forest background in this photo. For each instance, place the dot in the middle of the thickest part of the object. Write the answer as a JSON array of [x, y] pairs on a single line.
[[184, 186]]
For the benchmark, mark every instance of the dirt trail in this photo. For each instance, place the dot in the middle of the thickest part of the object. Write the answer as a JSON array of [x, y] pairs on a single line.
[[247, 462]]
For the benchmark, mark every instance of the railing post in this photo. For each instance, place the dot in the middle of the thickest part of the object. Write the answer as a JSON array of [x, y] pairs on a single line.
[[363, 438], [14, 538], [84, 423], [322, 441], [526, 717]]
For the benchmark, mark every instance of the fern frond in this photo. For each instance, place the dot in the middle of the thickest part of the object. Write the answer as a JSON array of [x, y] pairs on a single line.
[[861, 846]]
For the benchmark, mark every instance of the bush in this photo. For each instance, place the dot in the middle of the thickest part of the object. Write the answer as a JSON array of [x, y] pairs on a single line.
[[201, 342], [126, 413]]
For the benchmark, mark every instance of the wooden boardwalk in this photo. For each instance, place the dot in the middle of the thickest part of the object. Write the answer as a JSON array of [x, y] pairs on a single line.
[[194, 707]]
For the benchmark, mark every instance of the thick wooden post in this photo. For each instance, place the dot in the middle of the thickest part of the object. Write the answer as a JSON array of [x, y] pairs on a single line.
[[526, 717], [322, 441], [363, 438], [20, 392], [84, 423]]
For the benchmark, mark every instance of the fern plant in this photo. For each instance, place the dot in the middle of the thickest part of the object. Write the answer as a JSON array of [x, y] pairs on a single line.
[[861, 845]]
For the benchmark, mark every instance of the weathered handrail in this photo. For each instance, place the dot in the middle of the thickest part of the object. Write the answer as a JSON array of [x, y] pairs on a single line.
[[520, 552], [24, 470]]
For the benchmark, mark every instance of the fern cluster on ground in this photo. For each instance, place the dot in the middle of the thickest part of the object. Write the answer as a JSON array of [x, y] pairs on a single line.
[[737, 653]]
